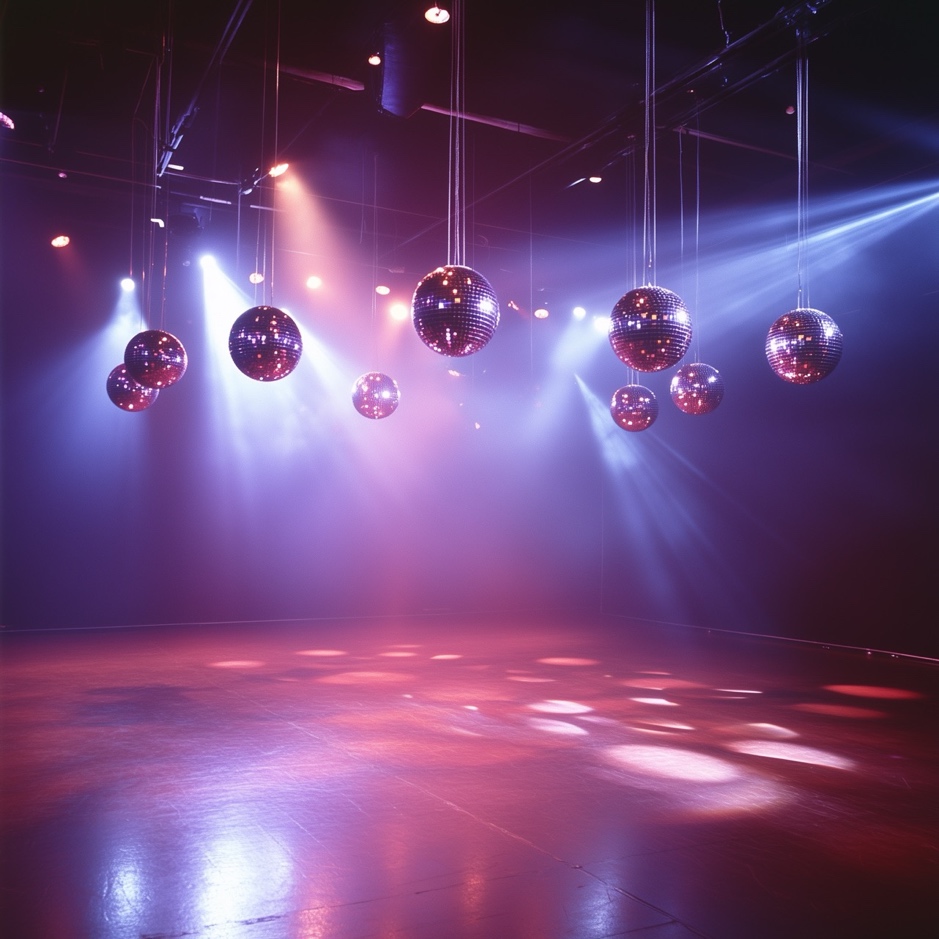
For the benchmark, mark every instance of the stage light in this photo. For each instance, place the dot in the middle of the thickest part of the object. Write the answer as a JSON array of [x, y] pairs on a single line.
[[314, 282], [60, 241], [278, 170], [399, 311], [602, 325], [541, 313], [207, 262], [579, 312], [382, 290], [594, 179], [256, 278], [436, 15], [374, 59], [127, 284]]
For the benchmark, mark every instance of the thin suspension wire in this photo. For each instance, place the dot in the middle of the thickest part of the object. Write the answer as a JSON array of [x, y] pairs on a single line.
[[456, 167], [649, 180], [276, 156], [802, 198], [697, 234]]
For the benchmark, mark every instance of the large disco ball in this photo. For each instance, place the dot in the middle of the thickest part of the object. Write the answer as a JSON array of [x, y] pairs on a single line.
[[155, 359], [455, 310], [697, 388], [265, 343], [375, 395], [803, 346], [650, 329], [634, 407], [128, 394]]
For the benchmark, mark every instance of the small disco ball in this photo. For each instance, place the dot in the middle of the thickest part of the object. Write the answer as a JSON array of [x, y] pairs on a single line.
[[375, 395], [155, 359], [634, 407], [455, 310], [803, 346], [697, 388], [128, 394], [650, 329], [265, 343]]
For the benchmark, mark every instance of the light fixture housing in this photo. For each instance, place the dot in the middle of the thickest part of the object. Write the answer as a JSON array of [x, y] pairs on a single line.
[[437, 15]]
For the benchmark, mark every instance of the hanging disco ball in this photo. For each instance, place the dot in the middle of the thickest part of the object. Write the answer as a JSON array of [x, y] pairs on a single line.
[[650, 329], [128, 394], [697, 388], [375, 395], [155, 359], [803, 346], [634, 407], [455, 310], [265, 343]]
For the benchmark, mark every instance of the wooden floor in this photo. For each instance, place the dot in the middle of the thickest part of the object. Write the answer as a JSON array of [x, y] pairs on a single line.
[[439, 778]]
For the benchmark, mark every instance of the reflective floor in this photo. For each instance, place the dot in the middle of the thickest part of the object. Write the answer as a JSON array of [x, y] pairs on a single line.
[[444, 778]]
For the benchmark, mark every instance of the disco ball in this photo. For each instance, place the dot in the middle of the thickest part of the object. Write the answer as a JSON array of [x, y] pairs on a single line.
[[634, 407], [155, 359], [697, 388], [650, 329], [803, 346], [455, 310], [265, 343], [128, 394], [375, 395]]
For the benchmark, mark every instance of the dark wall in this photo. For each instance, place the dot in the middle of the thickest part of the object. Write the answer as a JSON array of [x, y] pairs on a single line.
[[799, 511]]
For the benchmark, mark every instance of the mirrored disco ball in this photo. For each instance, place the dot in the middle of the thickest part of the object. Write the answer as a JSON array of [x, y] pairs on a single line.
[[697, 388], [455, 310], [803, 346], [265, 343], [128, 394], [634, 407], [650, 329], [155, 359], [375, 395]]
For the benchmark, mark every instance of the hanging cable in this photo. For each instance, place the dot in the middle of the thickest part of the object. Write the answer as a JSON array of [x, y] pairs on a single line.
[[802, 135]]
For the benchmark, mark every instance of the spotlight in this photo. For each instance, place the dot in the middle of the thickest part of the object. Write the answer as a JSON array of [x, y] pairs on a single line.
[[382, 290], [579, 312], [436, 15], [60, 241], [256, 277], [314, 282], [374, 59], [127, 284], [541, 313], [594, 179], [399, 311], [278, 170]]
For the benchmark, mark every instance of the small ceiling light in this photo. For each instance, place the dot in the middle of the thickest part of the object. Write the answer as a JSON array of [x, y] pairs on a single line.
[[127, 284], [374, 59], [594, 179], [541, 313], [436, 15], [60, 241], [278, 170], [256, 277], [382, 290], [314, 282]]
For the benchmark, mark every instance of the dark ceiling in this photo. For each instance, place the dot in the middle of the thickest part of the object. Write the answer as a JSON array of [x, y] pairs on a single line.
[[240, 79]]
